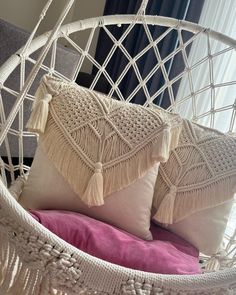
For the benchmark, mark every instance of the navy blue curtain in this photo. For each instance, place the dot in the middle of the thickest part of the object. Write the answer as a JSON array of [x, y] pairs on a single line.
[[137, 39]]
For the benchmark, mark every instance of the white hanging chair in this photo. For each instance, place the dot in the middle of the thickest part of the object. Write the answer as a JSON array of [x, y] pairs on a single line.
[[33, 260]]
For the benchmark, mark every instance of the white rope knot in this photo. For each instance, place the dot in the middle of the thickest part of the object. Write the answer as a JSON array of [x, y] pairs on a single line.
[[173, 190], [98, 167], [47, 97]]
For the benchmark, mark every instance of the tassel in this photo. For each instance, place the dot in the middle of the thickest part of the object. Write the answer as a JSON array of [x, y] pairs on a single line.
[[93, 195], [39, 115], [161, 151], [166, 209]]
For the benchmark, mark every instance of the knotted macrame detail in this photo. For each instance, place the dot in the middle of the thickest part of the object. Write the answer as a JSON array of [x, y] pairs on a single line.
[[39, 114], [165, 211], [99, 144], [200, 174], [93, 195]]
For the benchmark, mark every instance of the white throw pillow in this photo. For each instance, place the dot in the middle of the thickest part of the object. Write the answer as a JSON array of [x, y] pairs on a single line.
[[204, 229], [128, 209], [195, 187], [109, 143]]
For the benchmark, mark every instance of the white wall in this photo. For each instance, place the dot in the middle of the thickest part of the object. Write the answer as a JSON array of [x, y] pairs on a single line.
[[25, 13]]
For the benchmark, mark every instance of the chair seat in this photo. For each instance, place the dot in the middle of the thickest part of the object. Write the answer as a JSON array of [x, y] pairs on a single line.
[[166, 254]]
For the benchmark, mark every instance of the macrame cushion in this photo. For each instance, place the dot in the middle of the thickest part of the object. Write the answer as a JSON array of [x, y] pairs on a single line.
[[204, 229], [128, 209], [100, 145], [167, 253], [200, 174]]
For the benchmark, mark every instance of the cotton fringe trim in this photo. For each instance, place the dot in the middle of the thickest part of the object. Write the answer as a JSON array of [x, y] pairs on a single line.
[[40, 108], [193, 200], [17, 278], [121, 174], [39, 114]]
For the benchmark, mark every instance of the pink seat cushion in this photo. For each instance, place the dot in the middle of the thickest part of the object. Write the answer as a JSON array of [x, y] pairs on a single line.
[[166, 254]]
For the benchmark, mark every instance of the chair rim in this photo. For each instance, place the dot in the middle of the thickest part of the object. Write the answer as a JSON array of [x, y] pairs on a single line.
[[11, 63]]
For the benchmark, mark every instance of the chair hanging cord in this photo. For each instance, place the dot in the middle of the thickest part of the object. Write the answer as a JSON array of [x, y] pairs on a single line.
[[143, 7], [34, 71], [41, 17]]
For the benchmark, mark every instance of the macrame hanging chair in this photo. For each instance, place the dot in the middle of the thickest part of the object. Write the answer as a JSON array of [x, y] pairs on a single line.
[[35, 261]]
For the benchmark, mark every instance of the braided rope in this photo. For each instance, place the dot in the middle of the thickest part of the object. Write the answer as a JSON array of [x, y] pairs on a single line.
[[70, 270], [143, 7], [33, 73]]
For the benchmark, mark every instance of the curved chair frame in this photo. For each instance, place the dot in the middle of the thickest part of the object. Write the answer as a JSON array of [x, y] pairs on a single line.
[[36, 261]]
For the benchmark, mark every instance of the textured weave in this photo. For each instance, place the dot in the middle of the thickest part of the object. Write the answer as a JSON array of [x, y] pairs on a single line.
[[99, 144], [11, 39], [200, 173]]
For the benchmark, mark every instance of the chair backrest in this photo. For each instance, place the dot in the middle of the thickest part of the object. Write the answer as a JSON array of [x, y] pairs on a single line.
[[193, 89]]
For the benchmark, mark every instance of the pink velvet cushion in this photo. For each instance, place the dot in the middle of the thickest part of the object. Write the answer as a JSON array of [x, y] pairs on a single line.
[[166, 254]]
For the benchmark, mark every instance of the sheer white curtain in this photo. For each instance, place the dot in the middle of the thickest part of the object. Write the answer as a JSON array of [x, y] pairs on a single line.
[[219, 15]]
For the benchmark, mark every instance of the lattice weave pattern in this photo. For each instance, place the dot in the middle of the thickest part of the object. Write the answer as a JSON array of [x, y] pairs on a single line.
[[51, 267], [101, 138], [200, 173]]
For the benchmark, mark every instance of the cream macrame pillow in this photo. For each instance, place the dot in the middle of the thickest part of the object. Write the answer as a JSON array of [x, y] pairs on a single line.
[[200, 174], [128, 209], [204, 229], [100, 145]]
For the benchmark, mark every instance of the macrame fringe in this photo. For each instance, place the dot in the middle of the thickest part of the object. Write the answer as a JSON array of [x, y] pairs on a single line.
[[206, 196], [193, 200], [114, 178], [169, 138], [174, 138], [175, 123], [17, 278], [93, 195], [165, 213], [91, 186]]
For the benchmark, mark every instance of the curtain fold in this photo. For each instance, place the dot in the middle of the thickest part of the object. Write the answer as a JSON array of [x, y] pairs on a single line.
[[137, 40], [219, 16]]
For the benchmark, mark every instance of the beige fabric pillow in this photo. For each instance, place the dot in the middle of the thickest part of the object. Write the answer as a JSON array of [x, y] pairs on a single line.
[[100, 145], [128, 209], [204, 229], [200, 174]]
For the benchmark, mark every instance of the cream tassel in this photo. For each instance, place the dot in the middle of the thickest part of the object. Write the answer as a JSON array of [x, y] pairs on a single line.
[[161, 150], [93, 195], [39, 115], [166, 209]]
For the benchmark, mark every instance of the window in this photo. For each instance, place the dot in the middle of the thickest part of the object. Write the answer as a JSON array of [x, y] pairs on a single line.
[[215, 94]]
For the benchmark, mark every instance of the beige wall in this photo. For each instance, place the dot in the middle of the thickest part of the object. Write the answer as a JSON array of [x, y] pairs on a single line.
[[25, 13], [22, 13], [85, 9]]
